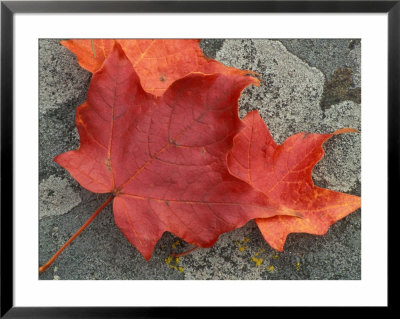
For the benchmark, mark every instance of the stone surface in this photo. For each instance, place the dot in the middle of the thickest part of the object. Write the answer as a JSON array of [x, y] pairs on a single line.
[[294, 73], [63, 86], [343, 152], [55, 91], [57, 197], [329, 55]]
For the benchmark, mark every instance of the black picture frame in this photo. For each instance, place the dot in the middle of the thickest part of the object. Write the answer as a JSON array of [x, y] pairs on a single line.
[[9, 8]]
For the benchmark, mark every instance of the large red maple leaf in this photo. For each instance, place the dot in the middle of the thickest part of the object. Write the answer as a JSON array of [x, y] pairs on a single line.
[[158, 62], [283, 173], [164, 159]]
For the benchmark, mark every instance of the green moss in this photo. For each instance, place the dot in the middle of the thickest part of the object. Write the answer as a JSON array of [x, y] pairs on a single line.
[[338, 89]]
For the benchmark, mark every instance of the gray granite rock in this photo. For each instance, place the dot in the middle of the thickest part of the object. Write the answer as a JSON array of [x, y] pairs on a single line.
[[57, 197], [63, 86], [329, 55]]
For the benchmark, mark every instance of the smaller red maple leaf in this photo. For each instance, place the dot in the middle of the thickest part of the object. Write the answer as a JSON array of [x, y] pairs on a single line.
[[158, 62], [283, 173]]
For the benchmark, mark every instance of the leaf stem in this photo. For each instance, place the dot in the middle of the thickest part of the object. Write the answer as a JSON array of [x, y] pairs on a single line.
[[184, 253], [52, 259]]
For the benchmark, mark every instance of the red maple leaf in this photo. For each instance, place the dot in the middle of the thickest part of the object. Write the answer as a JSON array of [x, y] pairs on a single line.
[[283, 173], [164, 158], [157, 62]]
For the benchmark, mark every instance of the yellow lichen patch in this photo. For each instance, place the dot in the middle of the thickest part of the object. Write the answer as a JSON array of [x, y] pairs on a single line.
[[270, 268], [176, 243], [168, 260], [173, 264], [258, 261], [243, 248], [241, 245], [297, 266], [275, 256]]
